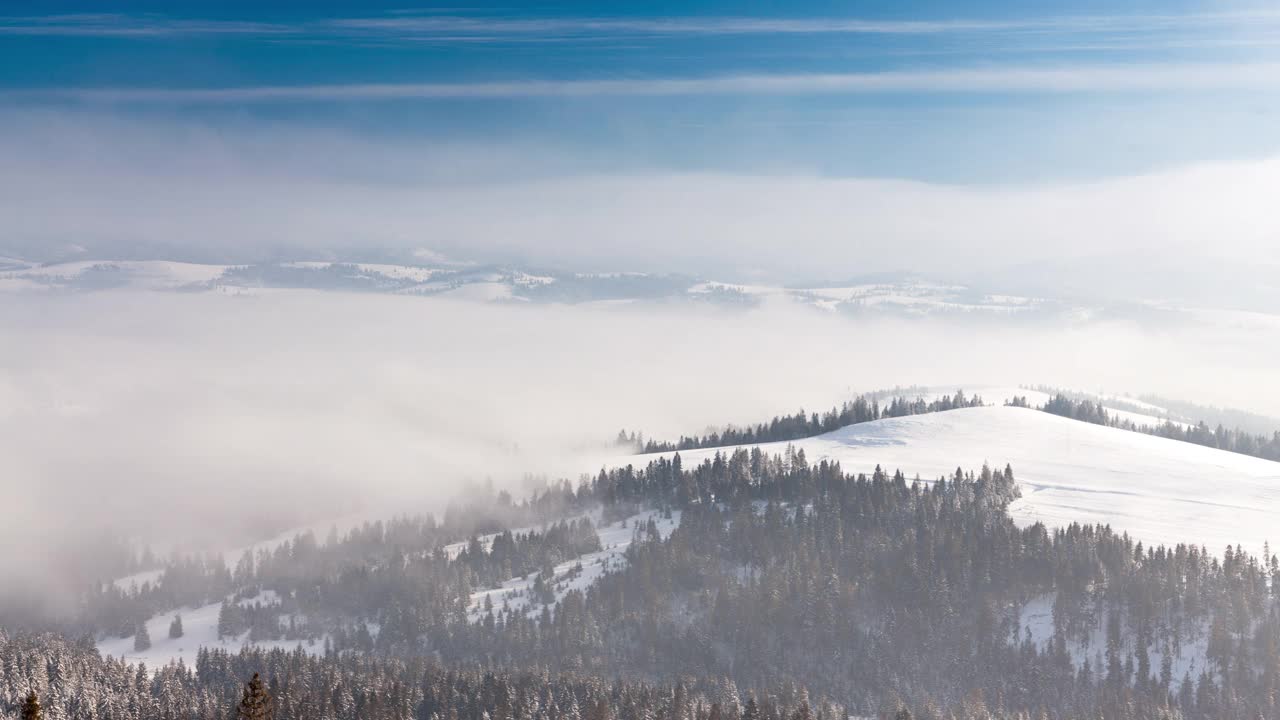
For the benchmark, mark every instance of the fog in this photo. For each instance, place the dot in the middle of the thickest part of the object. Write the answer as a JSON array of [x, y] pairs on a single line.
[[205, 421]]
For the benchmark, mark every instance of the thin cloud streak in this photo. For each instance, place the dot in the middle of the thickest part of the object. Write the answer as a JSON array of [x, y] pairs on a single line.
[[468, 28], [1211, 77], [115, 25]]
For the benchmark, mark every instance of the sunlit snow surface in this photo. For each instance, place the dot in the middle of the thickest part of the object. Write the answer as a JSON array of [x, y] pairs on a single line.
[[1157, 490], [576, 574], [200, 629]]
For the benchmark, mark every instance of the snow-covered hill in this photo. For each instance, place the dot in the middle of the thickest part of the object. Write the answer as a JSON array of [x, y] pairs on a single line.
[[1158, 490]]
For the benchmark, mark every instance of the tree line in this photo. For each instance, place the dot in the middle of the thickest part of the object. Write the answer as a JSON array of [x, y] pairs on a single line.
[[1234, 440], [801, 424]]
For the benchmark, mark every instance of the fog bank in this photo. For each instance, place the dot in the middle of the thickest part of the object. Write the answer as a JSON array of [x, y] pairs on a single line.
[[196, 420]]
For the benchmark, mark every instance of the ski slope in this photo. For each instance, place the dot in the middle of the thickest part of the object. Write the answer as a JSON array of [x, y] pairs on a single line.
[[1158, 490]]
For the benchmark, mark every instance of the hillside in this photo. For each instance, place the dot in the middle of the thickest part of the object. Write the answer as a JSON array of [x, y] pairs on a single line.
[[1158, 490]]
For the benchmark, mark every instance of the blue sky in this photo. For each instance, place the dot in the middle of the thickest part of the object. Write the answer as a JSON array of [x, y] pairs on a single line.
[[940, 91]]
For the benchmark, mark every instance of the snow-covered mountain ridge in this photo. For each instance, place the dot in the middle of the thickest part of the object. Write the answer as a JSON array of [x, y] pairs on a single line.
[[904, 295]]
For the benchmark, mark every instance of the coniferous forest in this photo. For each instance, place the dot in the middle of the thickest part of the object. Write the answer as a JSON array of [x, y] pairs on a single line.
[[1265, 446], [790, 583]]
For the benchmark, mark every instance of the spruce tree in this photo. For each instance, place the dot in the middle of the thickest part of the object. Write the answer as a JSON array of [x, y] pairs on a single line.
[[256, 703], [31, 707], [175, 627], [141, 638]]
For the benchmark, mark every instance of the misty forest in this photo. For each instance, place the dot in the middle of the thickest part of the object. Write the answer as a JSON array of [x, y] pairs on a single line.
[[781, 587]]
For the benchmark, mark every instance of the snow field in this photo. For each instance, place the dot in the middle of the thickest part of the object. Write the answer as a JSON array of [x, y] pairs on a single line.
[[1158, 490], [200, 629]]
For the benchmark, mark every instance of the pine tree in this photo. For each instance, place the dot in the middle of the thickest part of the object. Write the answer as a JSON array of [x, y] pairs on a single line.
[[31, 708], [141, 638], [256, 703], [175, 627]]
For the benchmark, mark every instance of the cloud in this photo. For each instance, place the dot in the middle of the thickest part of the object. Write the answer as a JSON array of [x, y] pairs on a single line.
[[443, 27], [112, 184], [200, 420], [137, 27], [1207, 77]]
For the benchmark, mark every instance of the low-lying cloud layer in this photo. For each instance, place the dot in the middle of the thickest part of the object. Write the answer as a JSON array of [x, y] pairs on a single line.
[[188, 420]]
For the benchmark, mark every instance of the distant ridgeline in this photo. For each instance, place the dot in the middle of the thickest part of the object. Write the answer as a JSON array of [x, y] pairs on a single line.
[[802, 425], [1235, 440]]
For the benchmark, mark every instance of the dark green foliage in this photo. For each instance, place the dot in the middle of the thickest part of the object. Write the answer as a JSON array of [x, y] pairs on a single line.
[[801, 425], [255, 704], [141, 638], [355, 687], [175, 627], [31, 707], [1235, 440]]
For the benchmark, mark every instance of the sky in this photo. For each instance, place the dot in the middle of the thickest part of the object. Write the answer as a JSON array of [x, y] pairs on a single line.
[[975, 92]]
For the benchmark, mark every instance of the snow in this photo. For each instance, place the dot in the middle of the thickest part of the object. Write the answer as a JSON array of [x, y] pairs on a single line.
[[713, 286], [999, 395], [399, 272], [1150, 409], [200, 629], [138, 579], [1158, 490], [524, 279], [200, 624], [453, 550], [140, 274], [1190, 655], [916, 297], [480, 292], [614, 541]]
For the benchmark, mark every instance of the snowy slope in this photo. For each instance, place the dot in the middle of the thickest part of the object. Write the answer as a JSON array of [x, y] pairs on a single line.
[[1187, 659], [576, 574], [200, 629], [1001, 394], [200, 625], [1158, 490]]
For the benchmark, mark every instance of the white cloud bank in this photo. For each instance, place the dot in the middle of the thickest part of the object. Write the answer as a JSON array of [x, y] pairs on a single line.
[[204, 418], [71, 179]]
